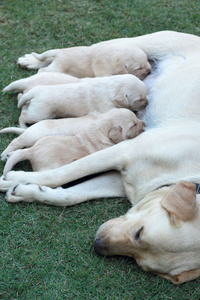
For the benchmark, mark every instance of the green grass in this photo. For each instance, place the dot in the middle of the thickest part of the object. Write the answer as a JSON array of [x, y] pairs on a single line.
[[47, 252]]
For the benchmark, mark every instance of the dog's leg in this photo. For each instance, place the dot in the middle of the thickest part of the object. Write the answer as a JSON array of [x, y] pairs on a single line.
[[23, 118], [105, 160], [105, 185], [159, 44]]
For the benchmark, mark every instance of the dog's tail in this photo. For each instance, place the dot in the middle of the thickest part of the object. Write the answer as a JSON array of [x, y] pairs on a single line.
[[37, 61], [18, 86], [15, 130], [25, 98], [15, 157]]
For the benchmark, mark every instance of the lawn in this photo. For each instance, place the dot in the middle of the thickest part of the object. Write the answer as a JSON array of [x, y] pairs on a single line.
[[47, 252]]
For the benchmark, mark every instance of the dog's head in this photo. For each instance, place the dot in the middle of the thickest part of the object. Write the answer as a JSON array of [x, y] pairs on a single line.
[[162, 233], [124, 125]]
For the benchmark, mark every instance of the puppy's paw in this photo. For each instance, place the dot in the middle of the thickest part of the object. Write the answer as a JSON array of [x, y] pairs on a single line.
[[3, 155], [9, 155], [28, 61]]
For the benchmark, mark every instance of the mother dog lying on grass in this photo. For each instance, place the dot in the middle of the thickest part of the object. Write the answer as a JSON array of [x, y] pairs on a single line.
[[157, 170]]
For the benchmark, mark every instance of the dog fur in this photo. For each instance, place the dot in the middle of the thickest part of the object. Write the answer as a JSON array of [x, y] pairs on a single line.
[[91, 96], [156, 170], [45, 78], [28, 137], [54, 151], [111, 59]]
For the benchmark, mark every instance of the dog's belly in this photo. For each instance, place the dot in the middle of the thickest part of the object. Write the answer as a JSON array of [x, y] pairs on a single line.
[[173, 92]]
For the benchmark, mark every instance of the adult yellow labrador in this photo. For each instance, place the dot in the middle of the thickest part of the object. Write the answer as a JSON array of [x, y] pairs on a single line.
[[157, 170]]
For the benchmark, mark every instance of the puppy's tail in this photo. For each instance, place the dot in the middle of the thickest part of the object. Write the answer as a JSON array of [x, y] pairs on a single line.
[[18, 86], [37, 61], [15, 157], [25, 98], [15, 130]]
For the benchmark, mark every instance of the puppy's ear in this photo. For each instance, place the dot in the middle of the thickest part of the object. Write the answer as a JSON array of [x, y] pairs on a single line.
[[181, 201], [122, 100], [182, 277], [115, 134], [121, 68]]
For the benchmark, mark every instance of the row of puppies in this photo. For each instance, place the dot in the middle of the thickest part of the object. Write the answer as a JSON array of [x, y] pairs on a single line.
[[94, 100]]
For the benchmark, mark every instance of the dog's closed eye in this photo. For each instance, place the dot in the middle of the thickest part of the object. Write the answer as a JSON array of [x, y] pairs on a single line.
[[138, 233]]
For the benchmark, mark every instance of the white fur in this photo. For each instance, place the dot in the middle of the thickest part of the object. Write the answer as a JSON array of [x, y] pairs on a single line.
[[91, 96], [111, 59], [51, 152], [160, 239], [45, 78]]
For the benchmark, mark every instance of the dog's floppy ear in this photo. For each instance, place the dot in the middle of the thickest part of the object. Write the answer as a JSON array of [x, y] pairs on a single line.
[[181, 201], [182, 277], [115, 134], [121, 68]]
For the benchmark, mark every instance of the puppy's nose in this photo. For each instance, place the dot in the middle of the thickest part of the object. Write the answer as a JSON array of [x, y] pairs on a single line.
[[100, 247], [146, 100], [142, 127]]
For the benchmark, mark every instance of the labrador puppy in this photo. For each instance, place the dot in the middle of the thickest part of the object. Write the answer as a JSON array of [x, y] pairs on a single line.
[[54, 151], [91, 96], [68, 126], [157, 171], [102, 59]]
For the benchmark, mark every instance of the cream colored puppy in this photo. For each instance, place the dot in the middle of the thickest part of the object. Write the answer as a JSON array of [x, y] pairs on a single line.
[[54, 151], [92, 96], [103, 59], [44, 78], [68, 126]]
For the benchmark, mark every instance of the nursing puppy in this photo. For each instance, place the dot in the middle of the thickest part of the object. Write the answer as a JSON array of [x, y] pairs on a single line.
[[103, 59], [44, 78], [68, 126], [91, 96], [54, 151]]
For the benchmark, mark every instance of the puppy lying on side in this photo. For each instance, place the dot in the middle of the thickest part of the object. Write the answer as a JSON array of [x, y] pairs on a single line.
[[91, 96], [103, 59], [54, 151], [44, 78], [68, 126]]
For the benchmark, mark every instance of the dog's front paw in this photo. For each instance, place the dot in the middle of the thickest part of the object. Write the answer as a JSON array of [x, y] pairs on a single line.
[[24, 192], [13, 196], [12, 179]]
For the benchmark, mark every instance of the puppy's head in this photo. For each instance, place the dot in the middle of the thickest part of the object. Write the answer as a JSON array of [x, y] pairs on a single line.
[[133, 61], [124, 125], [131, 93]]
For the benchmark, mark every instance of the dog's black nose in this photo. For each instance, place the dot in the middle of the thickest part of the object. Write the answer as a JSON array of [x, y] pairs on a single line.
[[100, 247], [97, 246]]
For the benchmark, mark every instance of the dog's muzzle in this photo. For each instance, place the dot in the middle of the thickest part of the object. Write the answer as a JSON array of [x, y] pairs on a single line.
[[100, 247]]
